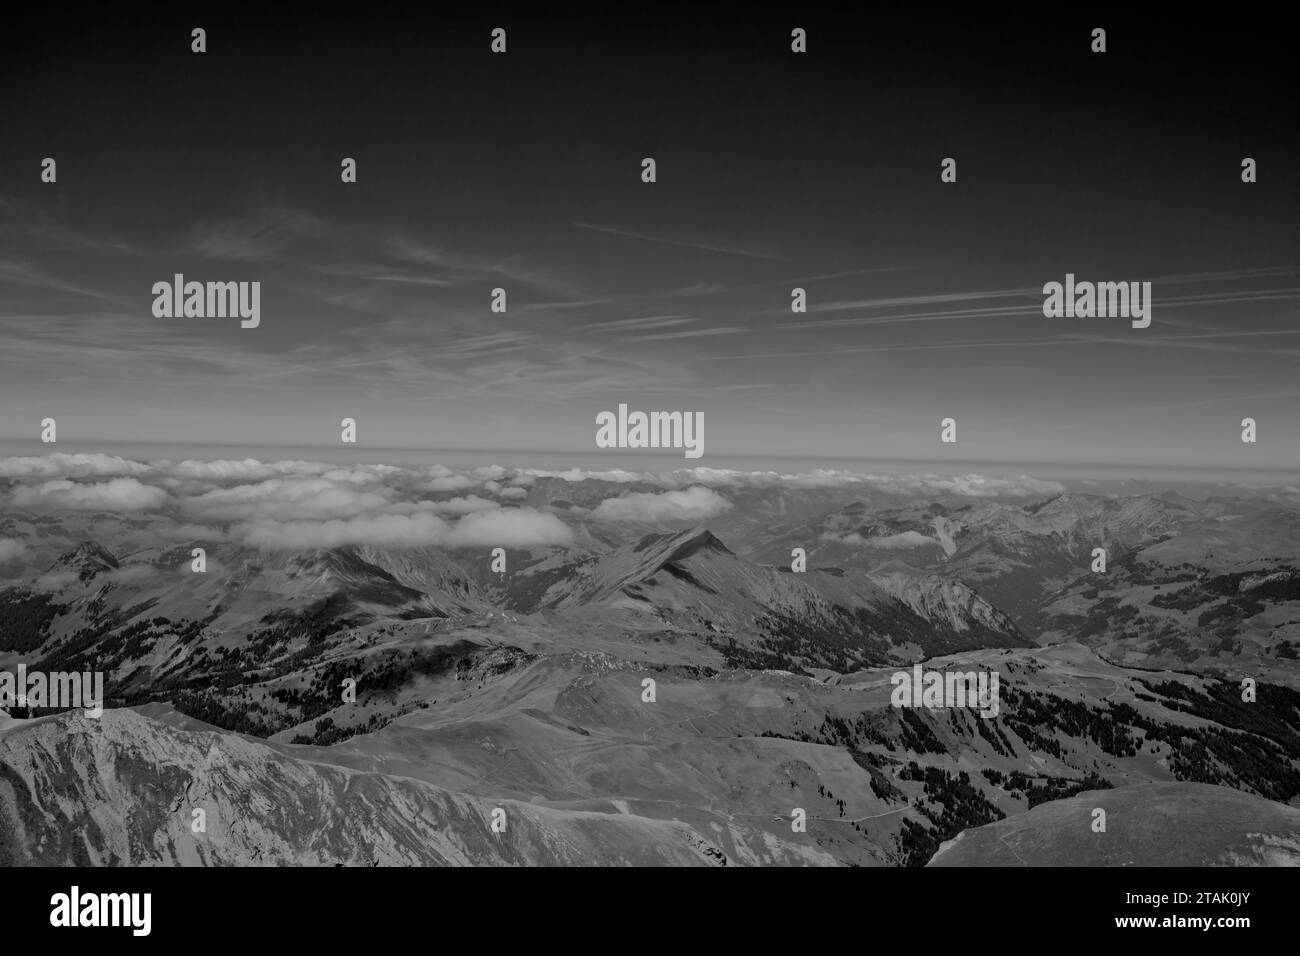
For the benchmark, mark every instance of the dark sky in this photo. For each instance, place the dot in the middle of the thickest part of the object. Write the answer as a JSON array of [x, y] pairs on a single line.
[[775, 170]]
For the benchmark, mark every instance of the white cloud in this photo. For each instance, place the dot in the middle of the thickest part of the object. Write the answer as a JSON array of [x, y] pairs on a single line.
[[395, 531], [249, 469], [513, 527], [466, 505], [55, 580], [285, 499], [581, 474], [320, 503], [509, 528], [976, 486], [970, 485], [117, 494], [362, 474], [693, 504], [69, 466], [11, 548]]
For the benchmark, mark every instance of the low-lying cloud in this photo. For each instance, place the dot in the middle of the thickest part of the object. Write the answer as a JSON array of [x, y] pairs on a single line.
[[117, 494], [306, 504], [60, 465], [505, 527], [693, 504], [11, 549]]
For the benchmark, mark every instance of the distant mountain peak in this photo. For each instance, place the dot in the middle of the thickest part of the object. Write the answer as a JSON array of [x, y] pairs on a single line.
[[681, 544], [87, 559], [693, 542]]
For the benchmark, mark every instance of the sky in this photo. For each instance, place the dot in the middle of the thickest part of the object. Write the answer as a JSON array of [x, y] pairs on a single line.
[[774, 170]]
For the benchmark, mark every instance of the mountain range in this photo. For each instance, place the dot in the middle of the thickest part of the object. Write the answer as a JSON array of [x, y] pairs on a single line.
[[525, 690]]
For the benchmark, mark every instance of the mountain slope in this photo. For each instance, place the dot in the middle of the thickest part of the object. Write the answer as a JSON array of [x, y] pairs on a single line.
[[1149, 824], [121, 791], [695, 583]]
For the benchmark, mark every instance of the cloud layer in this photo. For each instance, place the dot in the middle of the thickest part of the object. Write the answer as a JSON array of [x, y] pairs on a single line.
[[298, 504]]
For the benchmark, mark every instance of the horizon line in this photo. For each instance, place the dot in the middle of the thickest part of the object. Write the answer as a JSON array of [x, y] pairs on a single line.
[[687, 464]]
